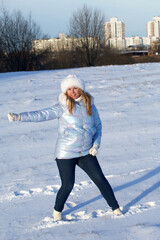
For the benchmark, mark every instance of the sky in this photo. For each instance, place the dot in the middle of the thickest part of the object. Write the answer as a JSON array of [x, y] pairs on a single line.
[[53, 16]]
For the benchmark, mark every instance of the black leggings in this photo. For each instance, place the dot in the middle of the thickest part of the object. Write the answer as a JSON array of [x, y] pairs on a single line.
[[91, 166]]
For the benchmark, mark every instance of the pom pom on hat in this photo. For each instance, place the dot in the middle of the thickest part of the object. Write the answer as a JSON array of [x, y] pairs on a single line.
[[72, 81]]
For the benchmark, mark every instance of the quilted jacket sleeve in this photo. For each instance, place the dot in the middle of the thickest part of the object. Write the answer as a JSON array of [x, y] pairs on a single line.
[[45, 114], [98, 125]]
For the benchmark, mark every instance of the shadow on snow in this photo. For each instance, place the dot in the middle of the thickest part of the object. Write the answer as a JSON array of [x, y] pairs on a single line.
[[124, 186]]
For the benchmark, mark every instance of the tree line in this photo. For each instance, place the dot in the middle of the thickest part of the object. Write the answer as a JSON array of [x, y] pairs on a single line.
[[17, 33]]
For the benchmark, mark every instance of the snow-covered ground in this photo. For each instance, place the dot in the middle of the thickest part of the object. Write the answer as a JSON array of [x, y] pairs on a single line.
[[128, 100]]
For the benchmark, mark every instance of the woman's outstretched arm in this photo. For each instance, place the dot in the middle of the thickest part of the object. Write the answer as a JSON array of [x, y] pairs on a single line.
[[45, 114]]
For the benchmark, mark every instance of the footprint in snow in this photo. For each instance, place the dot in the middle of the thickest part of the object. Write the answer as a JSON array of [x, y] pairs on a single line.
[[48, 222]]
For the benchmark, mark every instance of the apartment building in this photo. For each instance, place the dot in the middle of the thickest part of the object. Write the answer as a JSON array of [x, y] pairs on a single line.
[[147, 41], [114, 29], [153, 27], [62, 43], [133, 41], [118, 43], [55, 44], [115, 33]]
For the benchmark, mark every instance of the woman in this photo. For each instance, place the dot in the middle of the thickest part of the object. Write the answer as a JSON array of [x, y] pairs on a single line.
[[79, 137]]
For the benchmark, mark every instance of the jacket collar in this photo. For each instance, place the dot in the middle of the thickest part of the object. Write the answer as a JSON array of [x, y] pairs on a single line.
[[63, 99]]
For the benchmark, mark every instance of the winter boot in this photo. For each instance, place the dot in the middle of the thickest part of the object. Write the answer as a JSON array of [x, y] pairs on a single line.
[[117, 212], [57, 216]]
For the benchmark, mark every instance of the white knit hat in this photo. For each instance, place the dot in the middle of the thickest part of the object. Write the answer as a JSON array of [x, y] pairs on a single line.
[[72, 81]]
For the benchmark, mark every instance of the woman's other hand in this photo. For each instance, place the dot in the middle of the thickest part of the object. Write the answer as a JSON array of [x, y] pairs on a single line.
[[93, 150]]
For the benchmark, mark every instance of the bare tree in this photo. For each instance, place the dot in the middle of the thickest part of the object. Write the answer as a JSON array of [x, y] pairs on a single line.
[[88, 25], [16, 35]]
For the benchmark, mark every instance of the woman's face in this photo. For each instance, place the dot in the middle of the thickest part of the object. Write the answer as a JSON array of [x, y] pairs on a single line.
[[73, 92]]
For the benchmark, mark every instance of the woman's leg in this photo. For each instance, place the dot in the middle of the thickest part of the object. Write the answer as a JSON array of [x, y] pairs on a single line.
[[67, 174], [91, 166]]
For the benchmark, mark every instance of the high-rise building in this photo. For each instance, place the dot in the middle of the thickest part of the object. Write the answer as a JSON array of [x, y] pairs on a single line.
[[114, 33], [153, 27], [114, 29]]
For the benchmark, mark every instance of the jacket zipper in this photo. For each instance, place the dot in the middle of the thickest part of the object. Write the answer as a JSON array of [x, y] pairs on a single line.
[[83, 129]]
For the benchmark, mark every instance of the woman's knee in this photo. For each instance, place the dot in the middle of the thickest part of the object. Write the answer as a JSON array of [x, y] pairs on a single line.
[[67, 187], [100, 180]]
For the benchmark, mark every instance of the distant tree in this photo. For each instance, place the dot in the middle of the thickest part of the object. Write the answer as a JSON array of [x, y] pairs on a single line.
[[16, 35], [111, 56], [156, 46], [88, 25]]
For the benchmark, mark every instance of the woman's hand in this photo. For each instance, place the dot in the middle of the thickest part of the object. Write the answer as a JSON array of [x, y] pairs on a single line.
[[14, 117], [93, 150]]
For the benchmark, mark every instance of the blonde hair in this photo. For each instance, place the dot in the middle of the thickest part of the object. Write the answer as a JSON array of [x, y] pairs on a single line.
[[86, 97]]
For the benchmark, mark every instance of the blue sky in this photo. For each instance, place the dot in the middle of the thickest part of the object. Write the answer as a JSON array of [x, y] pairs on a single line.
[[53, 16]]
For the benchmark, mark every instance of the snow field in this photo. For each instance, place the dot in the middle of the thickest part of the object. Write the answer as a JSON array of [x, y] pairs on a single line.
[[128, 101]]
